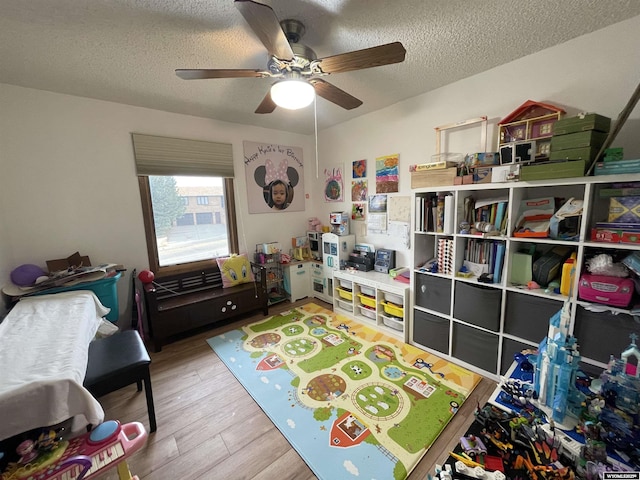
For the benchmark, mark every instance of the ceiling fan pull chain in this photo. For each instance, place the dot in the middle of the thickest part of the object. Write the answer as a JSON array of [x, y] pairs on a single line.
[[315, 129]]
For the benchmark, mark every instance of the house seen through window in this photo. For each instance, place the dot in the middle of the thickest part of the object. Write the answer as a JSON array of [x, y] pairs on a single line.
[[190, 219]]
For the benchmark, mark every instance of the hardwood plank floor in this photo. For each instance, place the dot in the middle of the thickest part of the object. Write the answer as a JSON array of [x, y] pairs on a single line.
[[210, 428]]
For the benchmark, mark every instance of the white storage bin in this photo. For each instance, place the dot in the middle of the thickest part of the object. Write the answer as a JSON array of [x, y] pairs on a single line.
[[394, 298], [368, 312], [368, 290], [392, 322], [345, 305], [348, 284]]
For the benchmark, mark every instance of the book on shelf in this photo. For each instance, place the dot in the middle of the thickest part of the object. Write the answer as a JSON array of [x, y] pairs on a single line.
[[419, 215], [441, 164], [440, 214], [449, 215], [500, 214], [485, 256], [617, 167], [620, 192], [627, 227], [497, 272], [490, 210]]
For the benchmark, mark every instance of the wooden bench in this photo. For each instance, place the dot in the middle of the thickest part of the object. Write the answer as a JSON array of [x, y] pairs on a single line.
[[178, 303]]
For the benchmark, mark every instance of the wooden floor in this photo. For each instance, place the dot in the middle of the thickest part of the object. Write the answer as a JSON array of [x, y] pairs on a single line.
[[209, 427]]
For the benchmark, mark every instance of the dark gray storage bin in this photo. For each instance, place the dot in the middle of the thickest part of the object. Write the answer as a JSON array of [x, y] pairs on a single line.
[[603, 334], [509, 349], [431, 331], [433, 293], [528, 317], [477, 305], [475, 347]]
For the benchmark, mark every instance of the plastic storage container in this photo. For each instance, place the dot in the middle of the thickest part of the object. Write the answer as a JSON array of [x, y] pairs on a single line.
[[345, 306], [368, 312], [393, 309], [368, 290], [105, 289], [345, 294], [368, 301], [394, 298], [392, 322]]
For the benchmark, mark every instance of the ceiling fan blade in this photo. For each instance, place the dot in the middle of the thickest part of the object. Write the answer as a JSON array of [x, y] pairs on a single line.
[[332, 93], [267, 105], [202, 73], [263, 21], [367, 58]]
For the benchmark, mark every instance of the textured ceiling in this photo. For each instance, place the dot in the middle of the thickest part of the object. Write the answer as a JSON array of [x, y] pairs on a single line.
[[126, 51]]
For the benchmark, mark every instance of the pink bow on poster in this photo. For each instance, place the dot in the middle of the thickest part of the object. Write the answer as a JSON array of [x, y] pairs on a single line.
[[276, 173]]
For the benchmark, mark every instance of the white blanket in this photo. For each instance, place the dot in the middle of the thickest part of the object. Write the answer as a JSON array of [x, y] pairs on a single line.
[[44, 344]]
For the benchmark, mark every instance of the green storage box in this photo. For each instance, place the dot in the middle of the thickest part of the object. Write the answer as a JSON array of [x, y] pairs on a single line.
[[580, 123], [590, 138], [105, 289], [587, 153], [544, 171]]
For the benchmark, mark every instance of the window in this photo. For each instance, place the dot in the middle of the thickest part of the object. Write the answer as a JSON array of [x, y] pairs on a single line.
[[182, 237], [185, 235]]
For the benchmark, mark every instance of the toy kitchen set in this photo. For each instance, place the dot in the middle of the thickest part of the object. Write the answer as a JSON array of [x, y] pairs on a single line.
[[329, 251], [337, 250]]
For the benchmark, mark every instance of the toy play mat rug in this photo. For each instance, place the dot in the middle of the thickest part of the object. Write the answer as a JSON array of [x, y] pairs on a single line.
[[353, 402]]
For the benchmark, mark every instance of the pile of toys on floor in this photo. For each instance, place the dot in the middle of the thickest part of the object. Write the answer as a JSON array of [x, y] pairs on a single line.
[[555, 422]]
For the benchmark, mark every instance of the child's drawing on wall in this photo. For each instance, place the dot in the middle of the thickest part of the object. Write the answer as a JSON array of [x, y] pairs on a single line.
[[360, 169], [274, 177], [387, 174], [358, 190], [333, 185], [358, 211]]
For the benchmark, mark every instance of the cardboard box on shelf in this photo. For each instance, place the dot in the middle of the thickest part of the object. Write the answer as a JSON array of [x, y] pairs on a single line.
[[589, 138], [565, 223], [433, 178], [534, 217], [482, 159], [580, 123], [505, 173], [74, 260], [482, 175], [546, 171], [609, 235], [624, 209]]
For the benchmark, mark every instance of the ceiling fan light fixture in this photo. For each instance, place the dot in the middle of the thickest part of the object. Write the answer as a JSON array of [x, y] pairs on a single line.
[[292, 94]]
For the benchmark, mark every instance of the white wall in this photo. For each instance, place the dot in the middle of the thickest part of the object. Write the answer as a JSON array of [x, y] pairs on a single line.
[[595, 73], [68, 181]]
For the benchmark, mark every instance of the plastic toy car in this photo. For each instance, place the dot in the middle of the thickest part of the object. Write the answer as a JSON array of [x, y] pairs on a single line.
[[473, 446]]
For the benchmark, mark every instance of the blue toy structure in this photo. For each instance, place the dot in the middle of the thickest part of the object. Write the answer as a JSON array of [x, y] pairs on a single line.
[[557, 367]]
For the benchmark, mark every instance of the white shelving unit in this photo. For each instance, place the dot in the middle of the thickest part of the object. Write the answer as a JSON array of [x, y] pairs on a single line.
[[482, 325], [374, 299]]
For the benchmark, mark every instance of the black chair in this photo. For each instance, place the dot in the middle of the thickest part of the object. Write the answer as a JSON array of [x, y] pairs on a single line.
[[116, 362]]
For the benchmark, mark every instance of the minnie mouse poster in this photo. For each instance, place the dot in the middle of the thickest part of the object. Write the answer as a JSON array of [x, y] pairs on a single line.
[[274, 177]]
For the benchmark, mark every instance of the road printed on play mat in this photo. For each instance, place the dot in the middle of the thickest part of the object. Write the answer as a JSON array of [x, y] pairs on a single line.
[[380, 385]]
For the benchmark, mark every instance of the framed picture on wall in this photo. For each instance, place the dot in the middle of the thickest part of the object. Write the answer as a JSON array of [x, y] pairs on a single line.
[[275, 177]]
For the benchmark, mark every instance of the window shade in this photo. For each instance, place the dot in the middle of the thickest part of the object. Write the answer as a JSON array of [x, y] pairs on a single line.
[[178, 156]]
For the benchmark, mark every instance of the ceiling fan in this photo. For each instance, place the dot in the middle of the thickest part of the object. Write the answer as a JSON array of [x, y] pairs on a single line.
[[295, 65]]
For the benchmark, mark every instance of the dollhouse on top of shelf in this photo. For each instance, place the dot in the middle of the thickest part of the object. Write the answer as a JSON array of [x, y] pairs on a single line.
[[532, 123]]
